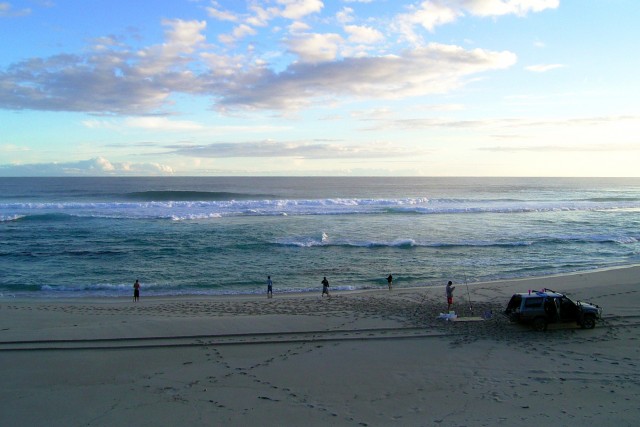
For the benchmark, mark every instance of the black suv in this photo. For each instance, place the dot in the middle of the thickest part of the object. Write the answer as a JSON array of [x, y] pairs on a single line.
[[547, 306]]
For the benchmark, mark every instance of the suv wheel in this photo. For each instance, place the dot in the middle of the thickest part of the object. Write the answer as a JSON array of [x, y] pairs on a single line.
[[589, 322], [539, 324]]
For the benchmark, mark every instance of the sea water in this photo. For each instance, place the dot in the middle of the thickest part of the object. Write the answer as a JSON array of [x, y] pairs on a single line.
[[211, 235]]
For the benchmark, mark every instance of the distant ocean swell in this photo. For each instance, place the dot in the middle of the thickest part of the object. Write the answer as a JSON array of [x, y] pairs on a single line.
[[179, 210], [159, 196], [411, 243], [408, 244]]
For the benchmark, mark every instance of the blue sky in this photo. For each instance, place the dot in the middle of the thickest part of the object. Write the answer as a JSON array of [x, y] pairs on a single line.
[[313, 87]]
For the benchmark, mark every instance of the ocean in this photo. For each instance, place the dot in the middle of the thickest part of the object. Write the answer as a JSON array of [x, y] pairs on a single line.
[[67, 237]]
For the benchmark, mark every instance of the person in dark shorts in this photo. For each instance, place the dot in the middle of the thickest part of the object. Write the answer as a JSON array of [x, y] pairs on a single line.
[[269, 287], [325, 287], [390, 281], [136, 291]]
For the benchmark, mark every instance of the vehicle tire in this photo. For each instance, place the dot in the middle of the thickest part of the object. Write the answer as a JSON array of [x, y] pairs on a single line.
[[588, 322], [539, 324]]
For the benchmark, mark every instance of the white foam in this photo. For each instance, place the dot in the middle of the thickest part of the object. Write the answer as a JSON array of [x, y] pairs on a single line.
[[194, 210], [9, 218]]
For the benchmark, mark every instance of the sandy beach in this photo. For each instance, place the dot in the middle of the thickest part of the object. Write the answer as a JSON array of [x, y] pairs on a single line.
[[372, 358]]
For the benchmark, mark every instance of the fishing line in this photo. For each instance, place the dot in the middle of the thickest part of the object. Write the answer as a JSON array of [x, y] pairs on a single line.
[[419, 305], [468, 293]]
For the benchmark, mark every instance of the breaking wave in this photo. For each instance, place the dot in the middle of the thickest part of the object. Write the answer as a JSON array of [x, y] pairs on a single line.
[[182, 206]]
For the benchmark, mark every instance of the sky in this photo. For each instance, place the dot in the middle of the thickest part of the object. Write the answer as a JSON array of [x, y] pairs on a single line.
[[320, 87]]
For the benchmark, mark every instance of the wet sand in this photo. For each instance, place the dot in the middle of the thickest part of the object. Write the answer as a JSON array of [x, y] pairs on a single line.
[[371, 358]]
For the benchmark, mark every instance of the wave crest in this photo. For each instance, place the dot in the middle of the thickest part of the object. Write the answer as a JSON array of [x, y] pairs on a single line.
[[185, 196], [174, 205]]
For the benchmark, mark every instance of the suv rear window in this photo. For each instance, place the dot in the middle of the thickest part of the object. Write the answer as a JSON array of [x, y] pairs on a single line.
[[533, 302]]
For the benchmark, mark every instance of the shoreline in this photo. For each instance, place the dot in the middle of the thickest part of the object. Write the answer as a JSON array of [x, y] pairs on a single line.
[[310, 292], [366, 357]]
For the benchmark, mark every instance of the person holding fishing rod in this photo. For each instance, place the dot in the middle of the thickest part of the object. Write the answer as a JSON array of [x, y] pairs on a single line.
[[450, 295]]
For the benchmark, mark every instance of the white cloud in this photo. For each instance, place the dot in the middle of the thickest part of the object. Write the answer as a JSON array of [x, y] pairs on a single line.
[[7, 10], [98, 166], [117, 79], [239, 32], [109, 80], [293, 149], [184, 35], [181, 39], [100, 124], [162, 124], [222, 15], [296, 9], [431, 13], [509, 123], [605, 148], [507, 7], [12, 148], [431, 69], [361, 34], [298, 27], [315, 47], [543, 68], [261, 16], [345, 15], [103, 164], [222, 65]]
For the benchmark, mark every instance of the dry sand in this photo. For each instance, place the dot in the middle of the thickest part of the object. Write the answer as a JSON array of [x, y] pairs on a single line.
[[376, 358]]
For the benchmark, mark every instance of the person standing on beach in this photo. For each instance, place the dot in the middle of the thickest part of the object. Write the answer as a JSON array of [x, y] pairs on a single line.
[[136, 291], [325, 287], [450, 295], [269, 287], [390, 281]]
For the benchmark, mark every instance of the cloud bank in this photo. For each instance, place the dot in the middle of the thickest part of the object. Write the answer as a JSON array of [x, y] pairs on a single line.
[[377, 60], [98, 166], [295, 149]]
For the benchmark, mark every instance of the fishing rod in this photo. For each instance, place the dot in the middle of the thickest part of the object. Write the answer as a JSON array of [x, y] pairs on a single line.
[[419, 305], [468, 293]]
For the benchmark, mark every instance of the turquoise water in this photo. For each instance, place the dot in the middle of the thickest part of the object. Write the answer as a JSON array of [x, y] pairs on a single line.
[[195, 235]]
